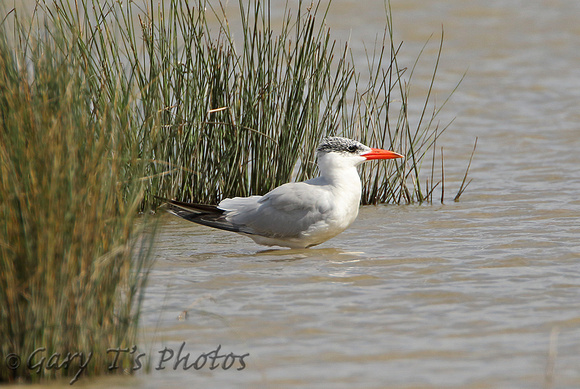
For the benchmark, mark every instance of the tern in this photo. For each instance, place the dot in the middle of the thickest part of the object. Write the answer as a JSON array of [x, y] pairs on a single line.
[[296, 214]]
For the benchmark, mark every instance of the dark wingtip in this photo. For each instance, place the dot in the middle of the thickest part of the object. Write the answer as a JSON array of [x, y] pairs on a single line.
[[192, 207], [204, 214]]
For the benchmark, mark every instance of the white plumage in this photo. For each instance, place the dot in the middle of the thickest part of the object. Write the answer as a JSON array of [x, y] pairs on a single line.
[[298, 214]]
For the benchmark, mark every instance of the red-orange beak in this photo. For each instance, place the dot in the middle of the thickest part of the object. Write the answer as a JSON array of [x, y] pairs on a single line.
[[381, 154]]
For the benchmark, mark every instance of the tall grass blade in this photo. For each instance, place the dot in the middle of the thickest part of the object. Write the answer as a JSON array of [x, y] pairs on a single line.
[[464, 185]]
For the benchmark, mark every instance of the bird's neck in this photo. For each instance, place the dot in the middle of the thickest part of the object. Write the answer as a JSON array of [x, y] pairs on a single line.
[[341, 174]]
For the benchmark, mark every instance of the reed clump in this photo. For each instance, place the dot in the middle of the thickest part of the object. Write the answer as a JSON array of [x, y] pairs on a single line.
[[238, 108], [72, 270]]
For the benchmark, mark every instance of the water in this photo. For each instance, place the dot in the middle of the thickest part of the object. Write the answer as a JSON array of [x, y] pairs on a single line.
[[457, 295]]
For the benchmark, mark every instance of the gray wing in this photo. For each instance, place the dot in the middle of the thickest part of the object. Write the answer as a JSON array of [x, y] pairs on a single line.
[[286, 211]]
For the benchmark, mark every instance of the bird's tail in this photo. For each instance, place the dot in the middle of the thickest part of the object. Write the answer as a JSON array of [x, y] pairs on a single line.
[[207, 215]]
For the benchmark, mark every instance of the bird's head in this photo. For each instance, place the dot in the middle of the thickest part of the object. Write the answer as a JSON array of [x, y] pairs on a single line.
[[348, 152]]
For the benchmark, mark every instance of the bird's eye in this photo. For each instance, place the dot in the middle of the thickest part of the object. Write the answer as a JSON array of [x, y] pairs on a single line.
[[352, 148]]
